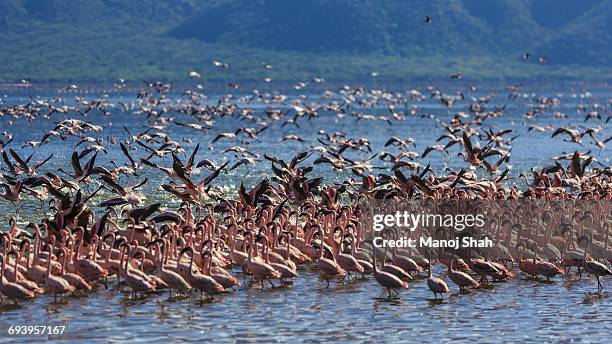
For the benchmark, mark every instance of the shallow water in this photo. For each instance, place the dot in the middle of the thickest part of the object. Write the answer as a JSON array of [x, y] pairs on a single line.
[[519, 310], [565, 310]]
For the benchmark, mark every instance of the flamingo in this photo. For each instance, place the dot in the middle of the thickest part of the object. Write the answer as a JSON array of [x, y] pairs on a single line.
[[113, 266], [87, 268], [387, 280], [56, 284], [216, 272], [204, 283], [171, 278], [368, 267], [594, 267], [435, 284], [74, 279], [20, 279], [328, 268], [288, 269], [12, 290], [405, 262], [135, 281], [260, 269], [547, 269], [483, 268], [527, 266], [346, 261], [460, 278]]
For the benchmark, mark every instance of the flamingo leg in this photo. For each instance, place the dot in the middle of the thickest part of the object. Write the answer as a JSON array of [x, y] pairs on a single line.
[[599, 285]]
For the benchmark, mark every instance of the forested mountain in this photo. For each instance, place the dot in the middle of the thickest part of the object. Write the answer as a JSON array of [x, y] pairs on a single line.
[[102, 40]]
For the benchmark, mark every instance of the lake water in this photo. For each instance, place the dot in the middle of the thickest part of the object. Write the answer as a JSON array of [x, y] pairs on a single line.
[[519, 310]]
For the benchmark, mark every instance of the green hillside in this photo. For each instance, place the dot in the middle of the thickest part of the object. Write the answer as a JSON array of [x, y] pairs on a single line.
[[103, 40]]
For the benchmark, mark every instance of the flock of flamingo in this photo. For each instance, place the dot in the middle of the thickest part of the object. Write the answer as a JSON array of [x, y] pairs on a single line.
[[98, 226]]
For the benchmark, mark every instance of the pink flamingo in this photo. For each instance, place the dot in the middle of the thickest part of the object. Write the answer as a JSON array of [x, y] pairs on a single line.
[[260, 269], [55, 284], [135, 281], [460, 278], [74, 279], [204, 283], [387, 280], [20, 279], [328, 268], [435, 284], [171, 278], [11, 290], [216, 272], [87, 268], [346, 261]]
